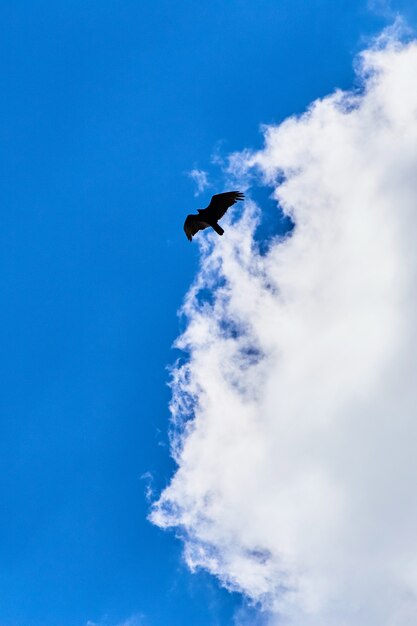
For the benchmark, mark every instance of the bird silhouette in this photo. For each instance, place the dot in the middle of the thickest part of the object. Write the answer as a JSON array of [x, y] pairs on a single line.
[[211, 214]]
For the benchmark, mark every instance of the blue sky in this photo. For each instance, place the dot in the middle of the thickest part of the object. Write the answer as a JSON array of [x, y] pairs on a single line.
[[105, 107]]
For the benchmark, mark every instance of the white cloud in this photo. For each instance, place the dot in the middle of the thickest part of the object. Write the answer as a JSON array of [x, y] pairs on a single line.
[[381, 7], [296, 476], [200, 177]]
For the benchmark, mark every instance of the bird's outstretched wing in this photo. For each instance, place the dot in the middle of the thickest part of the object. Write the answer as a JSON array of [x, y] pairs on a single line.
[[192, 224], [220, 203]]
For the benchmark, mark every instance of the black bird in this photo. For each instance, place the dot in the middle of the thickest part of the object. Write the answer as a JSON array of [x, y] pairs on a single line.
[[211, 214]]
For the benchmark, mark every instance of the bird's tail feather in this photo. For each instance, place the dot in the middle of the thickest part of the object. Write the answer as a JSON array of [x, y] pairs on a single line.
[[219, 230]]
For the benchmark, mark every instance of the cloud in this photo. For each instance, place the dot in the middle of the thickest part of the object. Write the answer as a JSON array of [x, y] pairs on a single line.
[[381, 7], [133, 620], [149, 488], [200, 177], [294, 417]]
